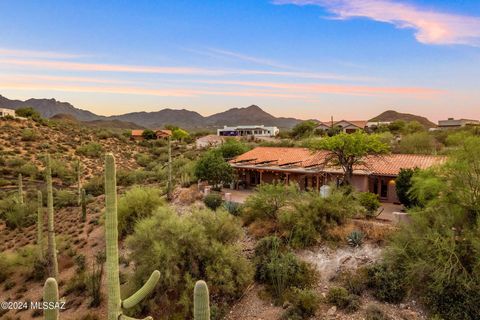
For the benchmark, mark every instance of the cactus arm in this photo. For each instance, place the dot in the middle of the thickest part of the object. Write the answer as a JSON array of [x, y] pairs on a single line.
[[50, 294], [124, 317], [143, 291], [40, 224], [52, 249], [111, 236], [201, 303]]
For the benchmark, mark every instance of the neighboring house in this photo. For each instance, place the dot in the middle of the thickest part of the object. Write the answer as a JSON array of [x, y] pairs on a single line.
[[161, 134], [308, 169], [255, 131], [453, 123], [376, 124], [346, 126], [7, 112], [209, 141]]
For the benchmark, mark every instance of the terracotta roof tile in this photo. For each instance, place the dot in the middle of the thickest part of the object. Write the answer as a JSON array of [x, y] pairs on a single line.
[[302, 157]]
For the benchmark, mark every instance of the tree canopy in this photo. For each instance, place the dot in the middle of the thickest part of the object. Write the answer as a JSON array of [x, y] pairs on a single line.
[[213, 168], [348, 150]]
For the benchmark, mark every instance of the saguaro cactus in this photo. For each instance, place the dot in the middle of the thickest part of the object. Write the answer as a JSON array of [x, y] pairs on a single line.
[[50, 294], [115, 303], [78, 169], [40, 224], [201, 301], [20, 188], [84, 205], [52, 248], [170, 186]]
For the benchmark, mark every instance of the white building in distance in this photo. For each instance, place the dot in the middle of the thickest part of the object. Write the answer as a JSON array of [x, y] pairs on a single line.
[[251, 130], [453, 123], [7, 112]]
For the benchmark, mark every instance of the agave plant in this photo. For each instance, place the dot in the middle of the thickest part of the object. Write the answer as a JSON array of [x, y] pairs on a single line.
[[355, 238]]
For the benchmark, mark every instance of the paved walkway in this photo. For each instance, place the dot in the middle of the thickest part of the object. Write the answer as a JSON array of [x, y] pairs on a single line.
[[238, 195]]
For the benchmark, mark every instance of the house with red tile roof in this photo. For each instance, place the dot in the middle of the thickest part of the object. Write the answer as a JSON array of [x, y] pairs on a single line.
[[310, 169]]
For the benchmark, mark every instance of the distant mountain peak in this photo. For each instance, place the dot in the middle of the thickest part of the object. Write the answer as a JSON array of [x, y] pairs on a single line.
[[392, 115]]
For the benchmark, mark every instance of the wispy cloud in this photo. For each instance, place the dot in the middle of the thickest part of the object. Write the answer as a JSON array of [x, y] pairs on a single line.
[[228, 54], [18, 53], [97, 67], [431, 27]]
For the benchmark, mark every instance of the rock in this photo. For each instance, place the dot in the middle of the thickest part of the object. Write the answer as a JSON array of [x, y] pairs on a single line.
[[285, 305], [332, 311]]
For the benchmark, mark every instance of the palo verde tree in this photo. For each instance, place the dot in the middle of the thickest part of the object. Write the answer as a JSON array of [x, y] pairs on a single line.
[[213, 168], [349, 150]]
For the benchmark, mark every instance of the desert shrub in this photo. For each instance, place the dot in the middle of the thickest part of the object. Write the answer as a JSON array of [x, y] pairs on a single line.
[[28, 112], [374, 312], [187, 248], [232, 148], [213, 201], [267, 201], [340, 298], [135, 204], [28, 135], [91, 149], [28, 169], [143, 159], [128, 178], [95, 186], [305, 303], [16, 214], [355, 282], [62, 171], [65, 198], [233, 208], [280, 269], [94, 280], [418, 142], [388, 284], [370, 202], [40, 269], [311, 216]]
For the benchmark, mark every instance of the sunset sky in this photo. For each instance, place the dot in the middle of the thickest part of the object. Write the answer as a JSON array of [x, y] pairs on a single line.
[[302, 58]]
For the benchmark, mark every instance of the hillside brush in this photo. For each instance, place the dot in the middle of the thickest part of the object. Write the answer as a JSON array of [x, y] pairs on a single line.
[[84, 205], [20, 188], [201, 301], [50, 296], [169, 182], [115, 303], [40, 224], [52, 248]]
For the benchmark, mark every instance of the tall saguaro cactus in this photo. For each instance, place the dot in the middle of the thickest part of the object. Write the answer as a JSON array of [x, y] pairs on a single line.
[[201, 301], [78, 169], [115, 303], [20, 188], [52, 248], [50, 295], [83, 205], [170, 186], [40, 224]]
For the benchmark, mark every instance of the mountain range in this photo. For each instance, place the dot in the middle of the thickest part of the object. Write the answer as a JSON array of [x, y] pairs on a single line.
[[187, 119]]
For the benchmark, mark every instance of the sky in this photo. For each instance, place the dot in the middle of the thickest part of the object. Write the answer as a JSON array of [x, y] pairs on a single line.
[[350, 59]]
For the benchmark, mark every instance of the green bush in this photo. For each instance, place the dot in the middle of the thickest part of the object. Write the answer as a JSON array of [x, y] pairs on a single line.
[[280, 269], [233, 208], [95, 186], [28, 169], [370, 202], [374, 312], [388, 284], [213, 201], [311, 216], [355, 282], [305, 303], [187, 248], [137, 203], [28, 135], [340, 298], [267, 200], [16, 214], [213, 168], [65, 198], [91, 149]]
